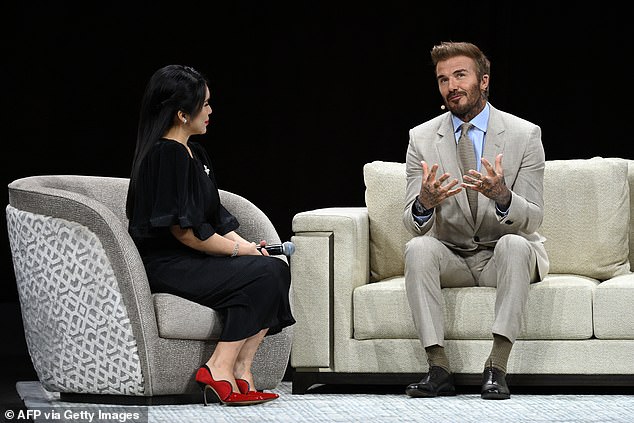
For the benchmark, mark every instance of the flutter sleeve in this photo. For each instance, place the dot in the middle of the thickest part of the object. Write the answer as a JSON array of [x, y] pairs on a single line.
[[172, 189]]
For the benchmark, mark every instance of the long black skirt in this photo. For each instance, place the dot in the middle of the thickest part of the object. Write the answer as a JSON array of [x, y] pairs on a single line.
[[250, 292]]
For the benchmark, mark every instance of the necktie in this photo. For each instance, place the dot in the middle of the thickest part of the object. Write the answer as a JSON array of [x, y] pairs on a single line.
[[467, 158]]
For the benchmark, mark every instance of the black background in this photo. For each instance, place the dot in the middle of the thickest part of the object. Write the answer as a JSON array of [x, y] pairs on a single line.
[[303, 93]]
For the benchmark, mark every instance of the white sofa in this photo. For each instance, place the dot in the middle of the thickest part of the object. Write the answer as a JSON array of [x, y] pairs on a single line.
[[354, 323]]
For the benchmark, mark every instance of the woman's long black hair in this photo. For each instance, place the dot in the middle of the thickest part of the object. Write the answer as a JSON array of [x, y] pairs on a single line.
[[171, 89]]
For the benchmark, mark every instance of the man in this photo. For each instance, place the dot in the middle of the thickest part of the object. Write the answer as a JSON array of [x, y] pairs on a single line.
[[487, 240]]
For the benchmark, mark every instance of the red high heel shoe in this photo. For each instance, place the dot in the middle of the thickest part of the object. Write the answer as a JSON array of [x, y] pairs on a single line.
[[222, 389], [244, 388]]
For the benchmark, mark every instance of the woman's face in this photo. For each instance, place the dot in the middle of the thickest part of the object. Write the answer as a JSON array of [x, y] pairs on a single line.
[[199, 122]]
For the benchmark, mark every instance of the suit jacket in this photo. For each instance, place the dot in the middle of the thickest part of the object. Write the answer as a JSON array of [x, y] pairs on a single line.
[[523, 164]]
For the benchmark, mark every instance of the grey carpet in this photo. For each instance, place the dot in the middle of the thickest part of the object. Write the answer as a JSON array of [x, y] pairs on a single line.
[[346, 407]]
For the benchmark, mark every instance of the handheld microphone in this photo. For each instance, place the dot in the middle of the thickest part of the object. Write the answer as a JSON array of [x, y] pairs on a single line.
[[287, 248]]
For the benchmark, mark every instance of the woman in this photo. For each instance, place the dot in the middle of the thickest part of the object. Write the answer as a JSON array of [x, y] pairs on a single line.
[[187, 239]]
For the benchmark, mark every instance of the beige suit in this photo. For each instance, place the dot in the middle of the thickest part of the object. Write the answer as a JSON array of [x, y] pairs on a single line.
[[453, 250]]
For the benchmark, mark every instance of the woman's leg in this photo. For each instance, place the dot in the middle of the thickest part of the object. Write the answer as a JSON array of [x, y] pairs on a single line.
[[223, 360], [244, 359]]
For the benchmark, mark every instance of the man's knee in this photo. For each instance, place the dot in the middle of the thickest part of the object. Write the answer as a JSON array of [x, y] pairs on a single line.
[[513, 246], [422, 245], [422, 251]]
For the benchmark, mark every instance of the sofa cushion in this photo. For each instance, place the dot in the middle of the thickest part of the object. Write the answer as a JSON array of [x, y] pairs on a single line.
[[613, 316], [630, 180], [384, 198], [586, 217], [559, 307], [178, 318]]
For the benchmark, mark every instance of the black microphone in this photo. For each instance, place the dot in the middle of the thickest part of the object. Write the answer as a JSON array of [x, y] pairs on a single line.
[[287, 248]]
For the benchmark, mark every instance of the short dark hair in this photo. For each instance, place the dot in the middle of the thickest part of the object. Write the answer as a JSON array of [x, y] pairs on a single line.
[[448, 49]]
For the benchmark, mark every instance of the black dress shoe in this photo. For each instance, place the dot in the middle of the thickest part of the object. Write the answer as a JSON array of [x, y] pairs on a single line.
[[437, 382], [494, 384]]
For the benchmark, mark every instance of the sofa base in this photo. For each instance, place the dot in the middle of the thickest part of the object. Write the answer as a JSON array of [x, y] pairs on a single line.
[[303, 381]]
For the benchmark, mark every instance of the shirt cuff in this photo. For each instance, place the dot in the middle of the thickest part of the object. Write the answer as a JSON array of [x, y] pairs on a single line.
[[421, 214]]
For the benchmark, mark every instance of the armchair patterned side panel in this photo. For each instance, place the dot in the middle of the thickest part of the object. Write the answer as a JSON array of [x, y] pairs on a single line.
[[76, 325]]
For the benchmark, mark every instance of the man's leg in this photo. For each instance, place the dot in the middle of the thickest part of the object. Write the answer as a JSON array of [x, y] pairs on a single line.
[[511, 270], [429, 266]]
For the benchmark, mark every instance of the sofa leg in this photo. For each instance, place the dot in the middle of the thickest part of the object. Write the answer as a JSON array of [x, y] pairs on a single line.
[[302, 381]]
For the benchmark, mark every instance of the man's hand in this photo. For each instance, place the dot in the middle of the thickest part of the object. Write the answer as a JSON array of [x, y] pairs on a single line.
[[492, 184], [432, 191]]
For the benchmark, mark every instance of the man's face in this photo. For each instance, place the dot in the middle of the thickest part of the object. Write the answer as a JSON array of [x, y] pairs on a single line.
[[459, 86]]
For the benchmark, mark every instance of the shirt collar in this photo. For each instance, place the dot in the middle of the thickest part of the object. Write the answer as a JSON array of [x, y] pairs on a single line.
[[481, 121]]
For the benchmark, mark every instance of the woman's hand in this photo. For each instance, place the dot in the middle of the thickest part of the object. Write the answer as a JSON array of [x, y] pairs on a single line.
[[218, 245], [247, 248], [263, 248], [250, 249]]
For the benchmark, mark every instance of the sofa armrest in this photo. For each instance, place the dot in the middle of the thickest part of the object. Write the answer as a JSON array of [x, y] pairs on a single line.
[[330, 261]]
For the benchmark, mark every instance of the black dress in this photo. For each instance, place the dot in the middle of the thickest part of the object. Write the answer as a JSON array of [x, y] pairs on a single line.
[[250, 292]]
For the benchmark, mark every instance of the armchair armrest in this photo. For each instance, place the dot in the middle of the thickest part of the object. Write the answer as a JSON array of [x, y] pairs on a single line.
[[331, 260]]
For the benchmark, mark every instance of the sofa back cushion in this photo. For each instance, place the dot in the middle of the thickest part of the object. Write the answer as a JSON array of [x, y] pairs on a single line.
[[586, 216], [630, 179], [384, 197]]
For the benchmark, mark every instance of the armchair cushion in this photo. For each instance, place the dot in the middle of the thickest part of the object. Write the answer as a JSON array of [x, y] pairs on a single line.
[[179, 318]]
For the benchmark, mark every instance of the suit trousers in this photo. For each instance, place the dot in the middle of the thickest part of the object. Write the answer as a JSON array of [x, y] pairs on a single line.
[[430, 265]]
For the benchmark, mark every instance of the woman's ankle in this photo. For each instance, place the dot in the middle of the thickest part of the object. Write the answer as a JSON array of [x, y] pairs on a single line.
[[222, 373]]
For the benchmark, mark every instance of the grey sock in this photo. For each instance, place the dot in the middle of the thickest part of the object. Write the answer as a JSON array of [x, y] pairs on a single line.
[[436, 357], [500, 352]]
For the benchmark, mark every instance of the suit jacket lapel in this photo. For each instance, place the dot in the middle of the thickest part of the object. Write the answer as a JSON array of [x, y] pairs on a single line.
[[493, 145], [446, 148]]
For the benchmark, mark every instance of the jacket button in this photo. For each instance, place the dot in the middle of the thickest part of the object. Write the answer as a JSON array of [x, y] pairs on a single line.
[[476, 238], [509, 222]]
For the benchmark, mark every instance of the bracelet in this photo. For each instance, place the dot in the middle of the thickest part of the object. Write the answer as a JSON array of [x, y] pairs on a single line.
[[420, 209], [235, 249]]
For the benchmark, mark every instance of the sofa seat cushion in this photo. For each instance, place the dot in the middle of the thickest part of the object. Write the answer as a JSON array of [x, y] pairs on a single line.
[[178, 318], [613, 315], [559, 307]]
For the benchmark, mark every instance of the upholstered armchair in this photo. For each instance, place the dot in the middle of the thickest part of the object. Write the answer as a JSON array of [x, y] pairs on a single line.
[[91, 324]]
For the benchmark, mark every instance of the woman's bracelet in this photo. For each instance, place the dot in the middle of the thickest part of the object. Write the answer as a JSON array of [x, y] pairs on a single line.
[[235, 249]]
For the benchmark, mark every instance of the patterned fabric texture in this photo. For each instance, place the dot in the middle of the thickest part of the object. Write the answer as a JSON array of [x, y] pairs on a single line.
[[77, 329]]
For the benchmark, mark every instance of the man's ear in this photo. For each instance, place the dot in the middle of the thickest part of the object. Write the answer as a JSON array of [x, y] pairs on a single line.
[[484, 83]]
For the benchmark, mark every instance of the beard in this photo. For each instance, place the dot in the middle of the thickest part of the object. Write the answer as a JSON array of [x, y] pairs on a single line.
[[476, 100]]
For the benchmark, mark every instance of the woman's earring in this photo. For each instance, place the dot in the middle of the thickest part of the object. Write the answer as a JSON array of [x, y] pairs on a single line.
[[184, 120]]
